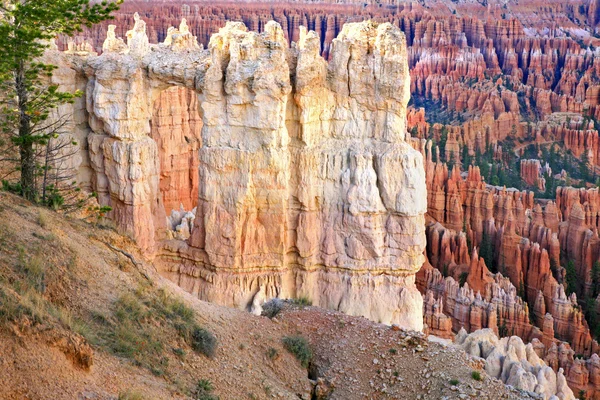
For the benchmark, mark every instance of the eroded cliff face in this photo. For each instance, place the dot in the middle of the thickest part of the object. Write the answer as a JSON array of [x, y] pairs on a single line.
[[306, 185], [310, 182]]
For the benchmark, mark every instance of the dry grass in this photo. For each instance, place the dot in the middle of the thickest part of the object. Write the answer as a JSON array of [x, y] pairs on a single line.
[[36, 273]]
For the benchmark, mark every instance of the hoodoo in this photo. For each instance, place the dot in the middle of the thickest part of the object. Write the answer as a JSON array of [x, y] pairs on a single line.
[[307, 185]]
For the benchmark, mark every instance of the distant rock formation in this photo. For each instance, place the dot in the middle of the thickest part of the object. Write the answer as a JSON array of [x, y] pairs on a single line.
[[516, 364], [528, 297]]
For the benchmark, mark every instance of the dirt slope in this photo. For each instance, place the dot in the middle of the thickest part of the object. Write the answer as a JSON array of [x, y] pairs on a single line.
[[81, 320]]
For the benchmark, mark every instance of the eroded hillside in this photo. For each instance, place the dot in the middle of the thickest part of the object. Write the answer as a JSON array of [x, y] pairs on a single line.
[[80, 319]]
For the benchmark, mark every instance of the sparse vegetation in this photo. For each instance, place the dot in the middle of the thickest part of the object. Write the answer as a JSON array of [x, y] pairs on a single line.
[[302, 301], [40, 275], [43, 220], [300, 348], [204, 389], [272, 308], [138, 318], [476, 375], [571, 277], [179, 352], [133, 327], [454, 382], [272, 353], [130, 395], [203, 341]]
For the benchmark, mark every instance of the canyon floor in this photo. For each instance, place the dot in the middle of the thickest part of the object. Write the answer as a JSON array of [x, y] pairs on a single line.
[[80, 319]]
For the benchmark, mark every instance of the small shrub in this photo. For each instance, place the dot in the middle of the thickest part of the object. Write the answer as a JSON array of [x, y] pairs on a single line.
[[272, 353], [159, 369], [476, 375], [272, 308], [12, 187], [33, 305], [302, 301], [35, 270], [393, 351], [267, 388], [454, 382], [179, 352], [204, 390], [43, 220], [396, 374], [73, 262], [299, 347], [133, 343], [130, 395], [203, 341], [129, 307], [181, 310], [463, 278], [11, 309], [169, 307]]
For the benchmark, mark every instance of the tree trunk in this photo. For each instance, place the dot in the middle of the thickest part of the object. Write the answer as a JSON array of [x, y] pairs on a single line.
[[25, 141], [46, 168]]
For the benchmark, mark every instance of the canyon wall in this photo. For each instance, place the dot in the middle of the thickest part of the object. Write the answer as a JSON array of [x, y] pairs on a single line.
[[306, 183], [525, 241]]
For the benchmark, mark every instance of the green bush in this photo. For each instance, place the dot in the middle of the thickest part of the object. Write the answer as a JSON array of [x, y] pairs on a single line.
[[182, 311], [129, 307], [302, 301], [179, 352], [454, 382], [476, 375], [204, 390], [299, 347], [203, 341], [272, 353]]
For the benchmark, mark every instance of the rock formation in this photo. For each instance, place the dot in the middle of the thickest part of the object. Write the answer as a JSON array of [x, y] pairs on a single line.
[[326, 218], [515, 363], [306, 183]]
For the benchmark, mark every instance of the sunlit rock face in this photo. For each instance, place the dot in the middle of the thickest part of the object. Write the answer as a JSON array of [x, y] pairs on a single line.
[[306, 184]]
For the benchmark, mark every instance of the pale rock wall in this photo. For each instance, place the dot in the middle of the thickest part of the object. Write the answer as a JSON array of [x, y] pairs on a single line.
[[515, 363], [306, 183]]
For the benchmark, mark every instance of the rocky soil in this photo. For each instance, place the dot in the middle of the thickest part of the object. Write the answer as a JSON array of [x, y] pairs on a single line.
[[358, 359], [44, 357]]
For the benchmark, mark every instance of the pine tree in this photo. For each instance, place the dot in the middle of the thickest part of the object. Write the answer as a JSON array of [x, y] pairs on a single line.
[[443, 140], [28, 98], [469, 244], [554, 269], [495, 178], [595, 279], [466, 158], [451, 161], [486, 251], [571, 277], [584, 167]]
